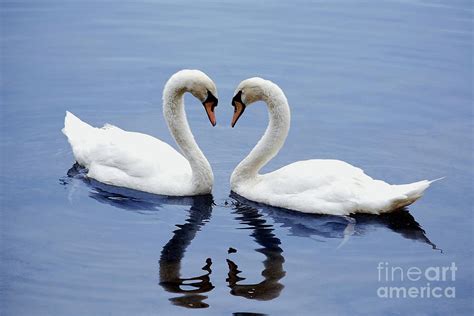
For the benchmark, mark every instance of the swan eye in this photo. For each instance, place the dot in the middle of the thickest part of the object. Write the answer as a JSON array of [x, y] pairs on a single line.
[[237, 99], [239, 107], [211, 98], [209, 104]]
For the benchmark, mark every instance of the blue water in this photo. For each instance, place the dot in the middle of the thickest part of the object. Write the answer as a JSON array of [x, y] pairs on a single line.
[[383, 85]]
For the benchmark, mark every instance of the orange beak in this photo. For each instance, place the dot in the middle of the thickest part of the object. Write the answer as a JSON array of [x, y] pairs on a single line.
[[239, 108], [209, 105]]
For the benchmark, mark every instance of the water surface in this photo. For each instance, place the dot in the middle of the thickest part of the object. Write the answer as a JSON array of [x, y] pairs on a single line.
[[383, 85]]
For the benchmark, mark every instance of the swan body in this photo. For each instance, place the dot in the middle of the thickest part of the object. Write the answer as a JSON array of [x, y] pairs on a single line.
[[319, 186], [145, 163]]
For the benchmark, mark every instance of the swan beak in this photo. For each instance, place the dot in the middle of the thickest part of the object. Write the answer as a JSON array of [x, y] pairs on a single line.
[[239, 108], [209, 105]]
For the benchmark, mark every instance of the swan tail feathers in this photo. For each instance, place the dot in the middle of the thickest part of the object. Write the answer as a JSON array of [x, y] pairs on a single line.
[[409, 193], [78, 133], [435, 180], [414, 190], [73, 126]]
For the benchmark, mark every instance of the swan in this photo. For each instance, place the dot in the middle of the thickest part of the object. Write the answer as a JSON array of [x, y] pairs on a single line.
[[318, 186], [141, 162]]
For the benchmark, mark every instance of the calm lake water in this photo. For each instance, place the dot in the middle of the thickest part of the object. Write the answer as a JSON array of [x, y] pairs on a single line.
[[383, 85]]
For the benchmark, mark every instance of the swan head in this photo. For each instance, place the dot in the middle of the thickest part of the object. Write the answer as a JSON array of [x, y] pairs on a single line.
[[248, 91], [200, 86]]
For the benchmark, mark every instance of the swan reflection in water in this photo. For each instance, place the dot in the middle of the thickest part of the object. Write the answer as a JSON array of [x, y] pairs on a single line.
[[127, 199], [324, 227], [273, 271], [173, 252], [252, 216]]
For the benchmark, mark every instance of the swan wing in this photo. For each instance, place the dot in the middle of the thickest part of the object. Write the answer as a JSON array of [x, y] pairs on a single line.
[[332, 187], [129, 159]]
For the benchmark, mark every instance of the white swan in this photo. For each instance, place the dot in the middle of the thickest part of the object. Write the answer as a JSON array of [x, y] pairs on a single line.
[[145, 163], [312, 186]]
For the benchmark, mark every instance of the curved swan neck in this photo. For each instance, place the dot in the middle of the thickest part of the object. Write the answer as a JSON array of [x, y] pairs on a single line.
[[173, 110], [273, 138]]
